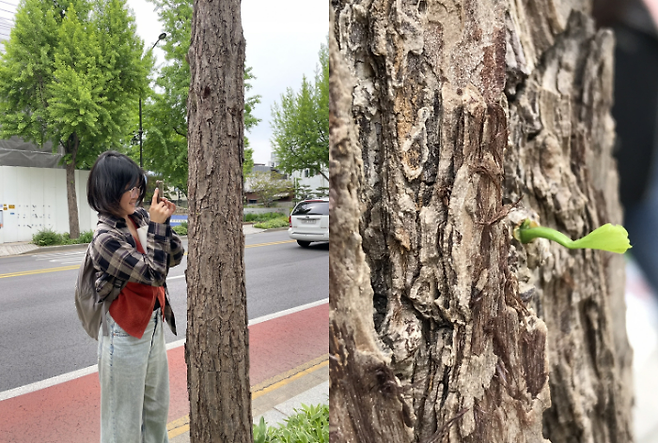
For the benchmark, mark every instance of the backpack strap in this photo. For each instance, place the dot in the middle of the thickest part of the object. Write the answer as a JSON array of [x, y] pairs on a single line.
[[106, 309], [110, 297]]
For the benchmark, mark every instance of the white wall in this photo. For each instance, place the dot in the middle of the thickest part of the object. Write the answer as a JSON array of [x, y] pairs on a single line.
[[314, 182], [33, 199]]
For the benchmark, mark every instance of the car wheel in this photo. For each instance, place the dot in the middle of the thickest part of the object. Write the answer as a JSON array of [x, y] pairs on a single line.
[[303, 244]]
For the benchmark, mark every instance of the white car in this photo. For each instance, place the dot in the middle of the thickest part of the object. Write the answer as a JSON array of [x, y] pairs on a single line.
[[309, 222]]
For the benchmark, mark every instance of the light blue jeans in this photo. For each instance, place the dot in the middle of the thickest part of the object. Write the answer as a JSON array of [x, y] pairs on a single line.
[[134, 379]]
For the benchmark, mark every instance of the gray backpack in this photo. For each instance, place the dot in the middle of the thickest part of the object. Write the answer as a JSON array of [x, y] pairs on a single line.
[[92, 309]]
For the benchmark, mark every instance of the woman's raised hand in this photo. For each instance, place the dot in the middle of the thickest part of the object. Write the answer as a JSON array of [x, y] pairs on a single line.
[[160, 212]]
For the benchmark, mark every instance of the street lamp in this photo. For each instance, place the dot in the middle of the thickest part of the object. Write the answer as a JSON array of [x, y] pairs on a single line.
[[141, 163]]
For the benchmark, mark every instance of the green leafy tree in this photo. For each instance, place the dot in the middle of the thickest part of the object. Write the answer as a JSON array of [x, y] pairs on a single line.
[[165, 112], [268, 186], [302, 192], [71, 74], [300, 124]]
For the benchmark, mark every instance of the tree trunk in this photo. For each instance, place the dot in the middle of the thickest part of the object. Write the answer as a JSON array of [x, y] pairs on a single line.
[[217, 348], [450, 123], [71, 148]]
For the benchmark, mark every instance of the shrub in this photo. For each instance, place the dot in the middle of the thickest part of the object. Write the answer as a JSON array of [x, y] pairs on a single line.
[[262, 217], [310, 424], [180, 229], [86, 236], [280, 222], [47, 237]]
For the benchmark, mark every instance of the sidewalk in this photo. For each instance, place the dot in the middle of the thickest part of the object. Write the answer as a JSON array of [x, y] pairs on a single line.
[[18, 248]]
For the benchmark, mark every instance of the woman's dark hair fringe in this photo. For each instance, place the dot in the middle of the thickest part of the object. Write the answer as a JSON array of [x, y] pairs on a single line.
[[113, 174]]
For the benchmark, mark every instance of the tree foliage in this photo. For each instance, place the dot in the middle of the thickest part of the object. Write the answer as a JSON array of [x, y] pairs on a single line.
[[71, 74], [165, 111], [300, 124], [268, 186]]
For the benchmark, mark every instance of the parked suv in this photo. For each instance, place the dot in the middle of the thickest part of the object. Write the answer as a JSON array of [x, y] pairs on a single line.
[[309, 222]]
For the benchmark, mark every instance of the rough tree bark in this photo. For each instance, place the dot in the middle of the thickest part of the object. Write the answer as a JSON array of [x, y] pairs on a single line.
[[450, 122], [217, 348]]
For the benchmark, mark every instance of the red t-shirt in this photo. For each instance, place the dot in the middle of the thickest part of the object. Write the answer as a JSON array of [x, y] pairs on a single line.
[[133, 307]]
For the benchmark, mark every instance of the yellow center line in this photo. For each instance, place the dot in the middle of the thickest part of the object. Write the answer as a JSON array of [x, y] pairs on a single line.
[[40, 271], [270, 243], [70, 268], [182, 425]]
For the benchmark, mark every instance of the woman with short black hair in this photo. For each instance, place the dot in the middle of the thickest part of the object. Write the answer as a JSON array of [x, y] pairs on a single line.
[[132, 249]]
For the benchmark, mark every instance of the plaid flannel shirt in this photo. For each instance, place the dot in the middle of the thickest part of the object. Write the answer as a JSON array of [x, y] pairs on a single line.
[[115, 256]]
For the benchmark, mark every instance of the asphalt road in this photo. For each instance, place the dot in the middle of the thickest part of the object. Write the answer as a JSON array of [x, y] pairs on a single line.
[[40, 334]]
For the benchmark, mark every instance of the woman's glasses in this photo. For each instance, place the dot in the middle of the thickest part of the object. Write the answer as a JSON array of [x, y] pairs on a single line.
[[134, 192]]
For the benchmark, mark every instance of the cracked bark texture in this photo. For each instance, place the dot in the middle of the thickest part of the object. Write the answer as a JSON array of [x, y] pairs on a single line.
[[449, 123], [217, 340]]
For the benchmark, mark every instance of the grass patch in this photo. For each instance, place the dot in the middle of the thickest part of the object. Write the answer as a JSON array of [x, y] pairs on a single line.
[[48, 237], [279, 222], [310, 424]]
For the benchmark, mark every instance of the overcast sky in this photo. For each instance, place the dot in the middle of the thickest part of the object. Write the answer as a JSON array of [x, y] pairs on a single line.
[[283, 39]]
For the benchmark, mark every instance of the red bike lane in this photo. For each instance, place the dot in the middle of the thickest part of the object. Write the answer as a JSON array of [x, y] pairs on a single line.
[[69, 412]]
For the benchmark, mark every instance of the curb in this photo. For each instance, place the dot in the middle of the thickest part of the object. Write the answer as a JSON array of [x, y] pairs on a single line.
[[59, 247]]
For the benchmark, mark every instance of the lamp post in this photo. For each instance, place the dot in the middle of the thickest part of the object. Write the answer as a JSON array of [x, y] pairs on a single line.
[[141, 163]]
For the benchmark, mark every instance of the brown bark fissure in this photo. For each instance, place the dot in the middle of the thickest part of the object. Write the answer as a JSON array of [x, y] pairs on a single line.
[[217, 346], [467, 117], [365, 397]]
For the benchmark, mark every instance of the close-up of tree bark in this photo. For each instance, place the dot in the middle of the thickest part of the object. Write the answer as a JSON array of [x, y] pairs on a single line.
[[450, 123]]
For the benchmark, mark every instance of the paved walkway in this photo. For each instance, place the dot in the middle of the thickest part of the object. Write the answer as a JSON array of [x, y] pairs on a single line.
[[17, 248]]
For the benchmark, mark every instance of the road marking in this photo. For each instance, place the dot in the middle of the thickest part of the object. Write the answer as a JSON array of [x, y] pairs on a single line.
[[39, 271], [57, 255], [43, 384], [255, 321], [70, 268], [269, 244], [182, 425]]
